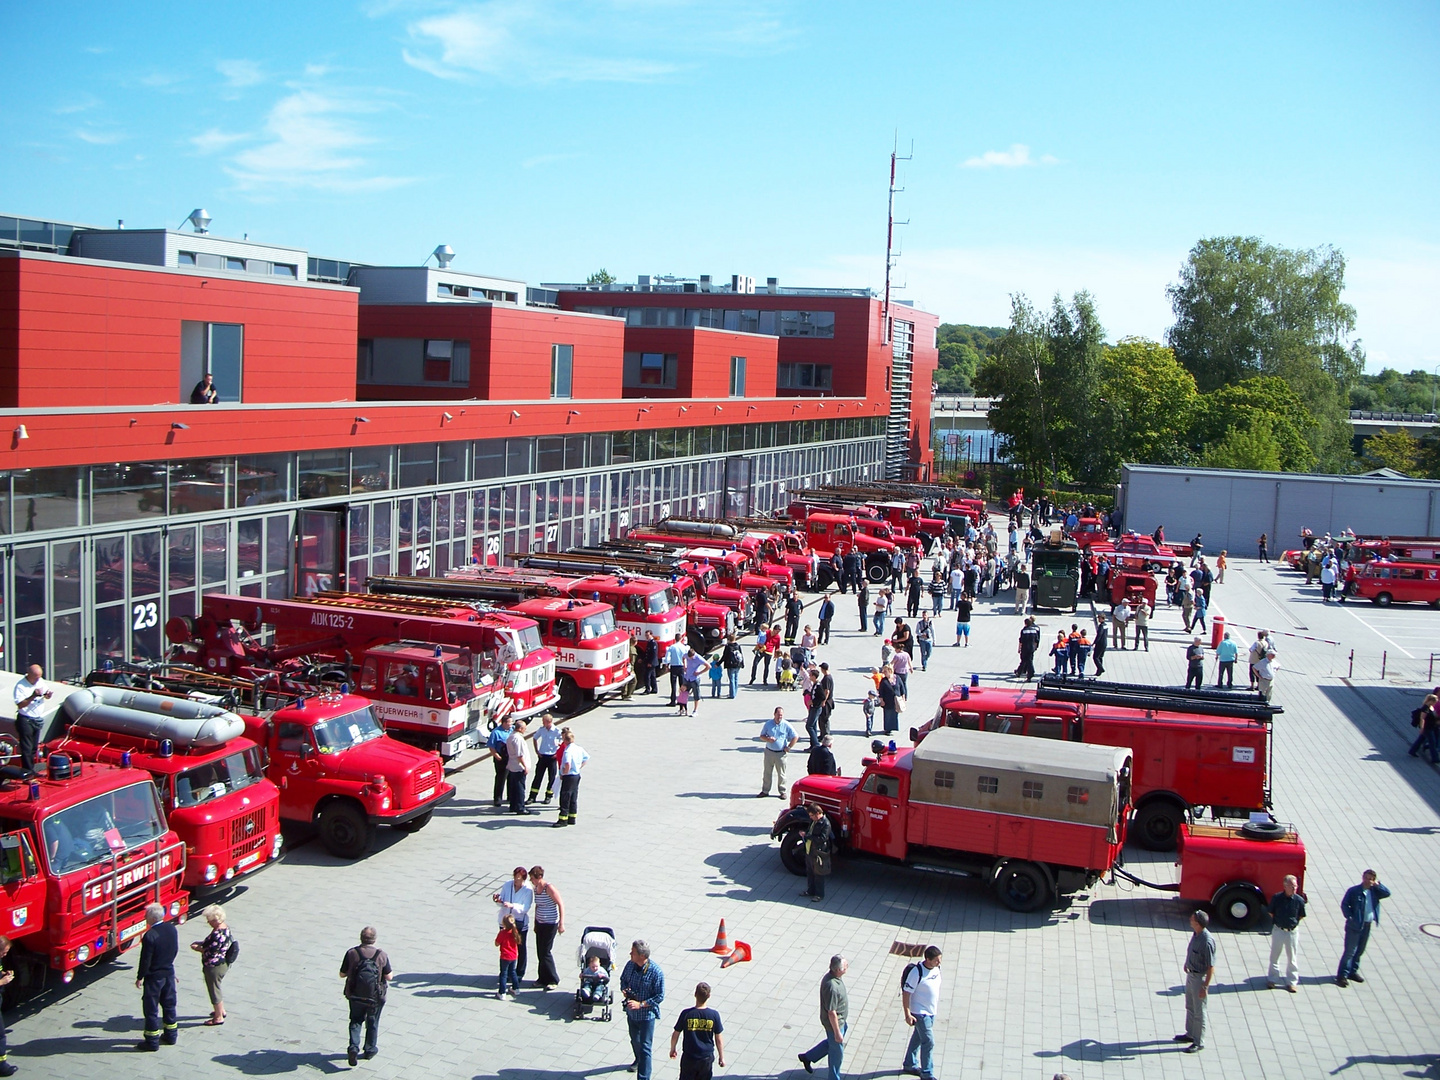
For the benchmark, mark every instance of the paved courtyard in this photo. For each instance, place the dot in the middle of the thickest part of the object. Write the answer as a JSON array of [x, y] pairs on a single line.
[[671, 840]]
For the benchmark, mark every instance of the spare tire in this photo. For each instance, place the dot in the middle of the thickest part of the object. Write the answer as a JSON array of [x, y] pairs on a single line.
[[1264, 830]]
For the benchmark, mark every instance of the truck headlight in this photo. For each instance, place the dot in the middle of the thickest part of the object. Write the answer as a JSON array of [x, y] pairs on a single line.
[[211, 872], [174, 908], [385, 803], [275, 847], [82, 953]]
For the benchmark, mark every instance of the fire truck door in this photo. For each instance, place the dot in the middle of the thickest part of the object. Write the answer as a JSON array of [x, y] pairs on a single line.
[[22, 889], [879, 819], [295, 768]]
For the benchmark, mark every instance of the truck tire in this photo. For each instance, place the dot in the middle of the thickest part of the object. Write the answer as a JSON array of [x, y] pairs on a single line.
[[1239, 906], [792, 852], [415, 824], [1383, 599], [9, 750], [877, 572], [345, 831], [572, 698], [1264, 830], [1157, 825], [1022, 886]]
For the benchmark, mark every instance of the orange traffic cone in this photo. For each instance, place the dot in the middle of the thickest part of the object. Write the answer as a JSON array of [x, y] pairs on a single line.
[[739, 956], [722, 940]]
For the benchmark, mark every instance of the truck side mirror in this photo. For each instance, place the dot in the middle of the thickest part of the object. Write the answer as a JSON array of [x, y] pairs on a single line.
[[305, 748]]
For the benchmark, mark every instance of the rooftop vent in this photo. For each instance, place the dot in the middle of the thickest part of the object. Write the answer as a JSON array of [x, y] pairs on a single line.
[[444, 256], [199, 220]]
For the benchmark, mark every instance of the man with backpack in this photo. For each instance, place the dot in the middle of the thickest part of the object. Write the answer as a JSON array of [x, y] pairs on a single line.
[[920, 997], [367, 974]]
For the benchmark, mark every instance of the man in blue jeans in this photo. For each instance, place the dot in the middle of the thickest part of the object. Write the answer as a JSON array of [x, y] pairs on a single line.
[[834, 1012], [1361, 907], [920, 993], [642, 984]]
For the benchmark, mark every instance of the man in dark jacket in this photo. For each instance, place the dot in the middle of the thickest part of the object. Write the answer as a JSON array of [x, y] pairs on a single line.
[[822, 702], [1102, 642], [838, 571], [1029, 642], [155, 976], [818, 849], [1361, 908], [794, 608], [825, 613], [821, 761], [367, 975], [760, 611]]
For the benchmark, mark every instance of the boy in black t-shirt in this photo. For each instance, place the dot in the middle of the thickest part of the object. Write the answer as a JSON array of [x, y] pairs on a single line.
[[701, 1028]]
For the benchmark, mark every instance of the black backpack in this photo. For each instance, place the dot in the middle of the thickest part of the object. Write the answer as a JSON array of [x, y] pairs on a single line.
[[233, 952], [365, 977], [905, 975]]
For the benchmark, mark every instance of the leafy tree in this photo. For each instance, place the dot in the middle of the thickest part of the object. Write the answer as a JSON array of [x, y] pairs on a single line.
[[1146, 406], [601, 277], [1015, 374], [1245, 448], [1398, 450], [1389, 391], [1266, 405], [962, 349], [1244, 308], [1077, 345]]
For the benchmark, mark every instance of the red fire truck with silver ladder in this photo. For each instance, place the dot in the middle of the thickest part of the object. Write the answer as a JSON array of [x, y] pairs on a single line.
[[439, 682], [1192, 749], [592, 655], [778, 543], [211, 777]]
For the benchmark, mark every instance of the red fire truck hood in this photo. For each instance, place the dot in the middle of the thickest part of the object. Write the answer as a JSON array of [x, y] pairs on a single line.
[[387, 757]]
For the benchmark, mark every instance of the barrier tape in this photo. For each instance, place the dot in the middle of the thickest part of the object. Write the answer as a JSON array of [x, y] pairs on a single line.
[[1282, 633]]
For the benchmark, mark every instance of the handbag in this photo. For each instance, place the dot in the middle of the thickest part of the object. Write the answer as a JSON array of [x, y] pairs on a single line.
[[899, 703], [822, 863]]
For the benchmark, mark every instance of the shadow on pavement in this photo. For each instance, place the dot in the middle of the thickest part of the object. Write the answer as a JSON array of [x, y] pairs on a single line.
[[1156, 912], [76, 1044], [1429, 1063], [1090, 1050], [605, 1070], [1382, 715], [276, 1062], [305, 853], [446, 984]]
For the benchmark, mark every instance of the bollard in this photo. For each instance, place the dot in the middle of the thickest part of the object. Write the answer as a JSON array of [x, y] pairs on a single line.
[[1384, 659], [1351, 673]]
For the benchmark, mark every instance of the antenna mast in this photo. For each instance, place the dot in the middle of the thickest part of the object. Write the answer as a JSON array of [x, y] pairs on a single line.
[[890, 254]]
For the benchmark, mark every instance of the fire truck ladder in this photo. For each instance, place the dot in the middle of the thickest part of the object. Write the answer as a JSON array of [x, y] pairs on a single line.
[[473, 589], [1158, 699], [433, 607], [568, 562]]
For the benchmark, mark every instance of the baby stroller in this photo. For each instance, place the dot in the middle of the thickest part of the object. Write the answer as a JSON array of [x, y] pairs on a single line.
[[785, 674], [595, 992]]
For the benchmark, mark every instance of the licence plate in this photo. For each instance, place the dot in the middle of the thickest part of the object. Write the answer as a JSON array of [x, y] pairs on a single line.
[[248, 860], [422, 796], [132, 931]]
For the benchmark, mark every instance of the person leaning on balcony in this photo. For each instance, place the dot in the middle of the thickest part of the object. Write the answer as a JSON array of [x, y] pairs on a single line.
[[205, 392]]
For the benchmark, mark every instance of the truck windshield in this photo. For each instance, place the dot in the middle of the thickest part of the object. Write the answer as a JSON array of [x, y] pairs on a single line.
[[598, 625], [341, 733], [460, 677], [98, 828], [219, 777], [663, 601], [529, 639]]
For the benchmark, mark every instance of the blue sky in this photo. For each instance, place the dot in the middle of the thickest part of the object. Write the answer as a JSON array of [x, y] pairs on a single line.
[[1056, 146]]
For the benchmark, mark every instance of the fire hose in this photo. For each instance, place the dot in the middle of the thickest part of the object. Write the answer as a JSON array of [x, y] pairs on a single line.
[[1117, 871]]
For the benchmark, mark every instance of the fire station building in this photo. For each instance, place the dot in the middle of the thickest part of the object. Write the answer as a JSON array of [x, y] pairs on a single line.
[[382, 420]]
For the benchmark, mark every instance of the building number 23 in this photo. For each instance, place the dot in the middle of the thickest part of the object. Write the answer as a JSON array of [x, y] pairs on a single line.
[[145, 615]]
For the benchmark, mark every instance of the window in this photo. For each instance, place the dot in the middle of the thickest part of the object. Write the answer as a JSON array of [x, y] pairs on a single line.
[[232, 263], [1032, 789], [987, 785], [286, 270], [413, 362], [876, 784], [216, 349], [1079, 796], [737, 376], [969, 721], [803, 376], [562, 359], [650, 369], [1004, 725], [1046, 727], [815, 324], [944, 778], [902, 339]]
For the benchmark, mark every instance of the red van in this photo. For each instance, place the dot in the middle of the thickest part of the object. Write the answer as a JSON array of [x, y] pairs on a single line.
[[1385, 582]]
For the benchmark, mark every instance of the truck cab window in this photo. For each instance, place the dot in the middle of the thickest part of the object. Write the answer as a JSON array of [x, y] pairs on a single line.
[[1005, 725], [434, 683], [968, 720], [878, 784], [1046, 727], [292, 737], [563, 628]]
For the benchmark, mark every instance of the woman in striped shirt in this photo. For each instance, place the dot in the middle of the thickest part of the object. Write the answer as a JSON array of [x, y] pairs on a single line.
[[549, 921]]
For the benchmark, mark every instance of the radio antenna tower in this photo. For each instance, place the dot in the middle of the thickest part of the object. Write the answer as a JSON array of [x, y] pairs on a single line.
[[890, 253]]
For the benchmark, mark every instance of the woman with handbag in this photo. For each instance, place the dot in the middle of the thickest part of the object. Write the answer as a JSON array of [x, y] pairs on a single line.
[[818, 853], [215, 959], [890, 699]]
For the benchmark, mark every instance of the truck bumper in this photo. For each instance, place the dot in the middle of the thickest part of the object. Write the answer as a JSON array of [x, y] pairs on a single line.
[[614, 689], [539, 706], [443, 796]]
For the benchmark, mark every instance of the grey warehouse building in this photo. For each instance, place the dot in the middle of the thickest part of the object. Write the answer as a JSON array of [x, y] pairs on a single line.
[[1232, 507]]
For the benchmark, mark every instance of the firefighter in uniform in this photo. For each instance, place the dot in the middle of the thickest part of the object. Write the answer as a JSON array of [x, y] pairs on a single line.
[[156, 976]]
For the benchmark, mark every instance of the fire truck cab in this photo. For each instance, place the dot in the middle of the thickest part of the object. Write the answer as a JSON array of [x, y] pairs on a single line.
[[85, 849], [830, 533], [643, 605], [1131, 580], [1031, 820], [211, 778], [1384, 582]]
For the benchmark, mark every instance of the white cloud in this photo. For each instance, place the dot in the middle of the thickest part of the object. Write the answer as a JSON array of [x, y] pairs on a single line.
[[99, 138], [542, 41], [312, 142], [240, 73], [89, 101], [160, 80], [207, 142], [1018, 156]]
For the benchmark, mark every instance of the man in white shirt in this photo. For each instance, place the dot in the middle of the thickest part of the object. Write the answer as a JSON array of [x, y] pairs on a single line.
[[572, 760], [515, 769], [920, 993], [31, 694]]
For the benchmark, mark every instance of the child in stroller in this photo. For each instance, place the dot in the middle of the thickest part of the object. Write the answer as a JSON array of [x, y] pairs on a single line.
[[596, 955], [785, 674]]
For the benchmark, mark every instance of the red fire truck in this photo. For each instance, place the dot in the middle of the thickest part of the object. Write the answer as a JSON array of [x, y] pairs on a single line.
[[1131, 579], [1192, 750], [336, 768], [908, 517], [778, 543], [693, 579], [592, 655], [831, 533], [643, 605], [751, 570], [86, 849], [1031, 820], [1236, 869], [1385, 582], [438, 683], [866, 520], [211, 778]]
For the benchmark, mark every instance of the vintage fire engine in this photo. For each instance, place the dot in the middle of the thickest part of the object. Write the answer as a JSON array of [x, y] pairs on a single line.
[[643, 605], [698, 583], [828, 534], [778, 543]]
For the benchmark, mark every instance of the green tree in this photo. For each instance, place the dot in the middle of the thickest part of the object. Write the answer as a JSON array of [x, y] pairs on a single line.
[[601, 277], [1398, 450], [1015, 373], [1145, 408], [1244, 308], [1266, 405], [1076, 343], [1245, 448], [958, 363]]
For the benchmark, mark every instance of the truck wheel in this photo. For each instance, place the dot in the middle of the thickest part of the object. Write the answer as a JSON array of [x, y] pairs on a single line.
[[1239, 906], [1384, 599], [792, 852], [9, 750], [1157, 826], [415, 824], [571, 697], [877, 572], [1021, 886], [344, 830]]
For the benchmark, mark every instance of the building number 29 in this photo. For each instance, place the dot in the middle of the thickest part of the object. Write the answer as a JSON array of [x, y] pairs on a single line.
[[145, 615]]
